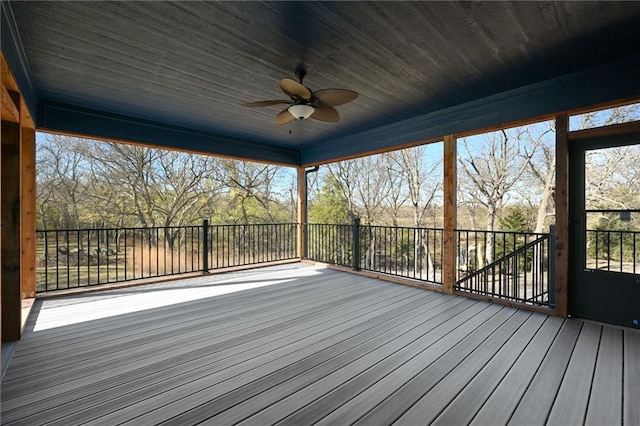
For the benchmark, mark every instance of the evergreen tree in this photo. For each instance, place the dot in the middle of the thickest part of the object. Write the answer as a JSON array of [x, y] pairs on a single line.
[[330, 206]]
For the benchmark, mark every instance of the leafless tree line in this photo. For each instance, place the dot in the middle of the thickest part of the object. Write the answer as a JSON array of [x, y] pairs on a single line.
[[84, 183], [496, 171]]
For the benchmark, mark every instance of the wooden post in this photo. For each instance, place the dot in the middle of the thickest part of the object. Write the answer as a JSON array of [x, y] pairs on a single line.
[[28, 212], [10, 217], [562, 215], [450, 214], [302, 212]]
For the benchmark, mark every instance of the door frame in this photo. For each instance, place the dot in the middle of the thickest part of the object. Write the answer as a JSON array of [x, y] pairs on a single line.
[[611, 306]]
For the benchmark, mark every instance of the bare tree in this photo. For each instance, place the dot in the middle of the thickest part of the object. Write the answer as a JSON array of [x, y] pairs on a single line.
[[492, 170], [345, 174], [371, 186], [61, 180], [611, 175], [364, 186], [540, 184], [254, 190], [87, 182], [396, 197], [611, 164], [611, 178], [421, 175]]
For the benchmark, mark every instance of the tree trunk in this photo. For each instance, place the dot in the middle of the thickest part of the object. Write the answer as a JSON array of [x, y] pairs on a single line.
[[547, 197], [490, 240], [426, 253]]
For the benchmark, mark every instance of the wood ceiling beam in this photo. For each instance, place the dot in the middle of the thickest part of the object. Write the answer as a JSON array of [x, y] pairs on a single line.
[[10, 111], [15, 68], [613, 129], [19, 110], [78, 121]]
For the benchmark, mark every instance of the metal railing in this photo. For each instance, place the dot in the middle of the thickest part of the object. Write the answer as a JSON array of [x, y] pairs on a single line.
[[242, 245], [613, 250], [401, 251], [330, 243], [505, 265], [85, 257]]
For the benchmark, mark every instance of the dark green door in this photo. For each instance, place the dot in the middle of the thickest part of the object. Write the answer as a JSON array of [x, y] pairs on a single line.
[[604, 209]]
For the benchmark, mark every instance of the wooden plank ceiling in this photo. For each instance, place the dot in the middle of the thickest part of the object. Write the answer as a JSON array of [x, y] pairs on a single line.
[[176, 73]]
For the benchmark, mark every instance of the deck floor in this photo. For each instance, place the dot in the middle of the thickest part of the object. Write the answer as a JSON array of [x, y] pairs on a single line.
[[297, 345]]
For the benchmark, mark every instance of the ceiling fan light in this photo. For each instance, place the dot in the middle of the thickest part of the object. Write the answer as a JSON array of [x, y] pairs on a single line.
[[301, 111]]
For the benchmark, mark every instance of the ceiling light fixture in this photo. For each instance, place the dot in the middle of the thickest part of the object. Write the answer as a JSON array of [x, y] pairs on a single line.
[[301, 111]]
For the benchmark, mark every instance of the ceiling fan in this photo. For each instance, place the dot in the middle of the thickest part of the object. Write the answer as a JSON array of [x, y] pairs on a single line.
[[305, 103]]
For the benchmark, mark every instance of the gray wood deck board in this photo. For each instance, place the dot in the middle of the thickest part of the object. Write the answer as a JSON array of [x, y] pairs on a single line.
[[236, 364], [168, 404], [291, 379], [631, 397], [320, 346], [292, 316], [535, 405], [286, 288], [34, 347], [116, 340], [471, 398], [438, 396], [476, 348], [189, 319], [181, 361], [183, 313], [288, 396], [346, 388], [372, 389], [75, 331], [570, 405], [605, 402], [504, 399]]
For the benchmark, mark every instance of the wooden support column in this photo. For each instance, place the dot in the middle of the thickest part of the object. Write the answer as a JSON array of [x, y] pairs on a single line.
[[450, 214], [28, 212], [10, 235], [562, 215], [302, 211]]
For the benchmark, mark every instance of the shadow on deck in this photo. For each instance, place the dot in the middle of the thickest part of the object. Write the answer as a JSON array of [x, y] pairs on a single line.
[[298, 344]]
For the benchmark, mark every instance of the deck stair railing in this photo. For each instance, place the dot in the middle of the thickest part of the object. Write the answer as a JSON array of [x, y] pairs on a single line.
[[506, 265]]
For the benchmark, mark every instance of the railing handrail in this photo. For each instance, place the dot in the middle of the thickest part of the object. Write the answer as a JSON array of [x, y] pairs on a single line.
[[373, 226], [502, 232], [426, 228], [128, 228]]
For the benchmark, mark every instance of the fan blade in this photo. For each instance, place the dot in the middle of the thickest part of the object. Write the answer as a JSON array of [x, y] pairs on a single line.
[[264, 103], [294, 89], [284, 116], [326, 113], [335, 97]]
